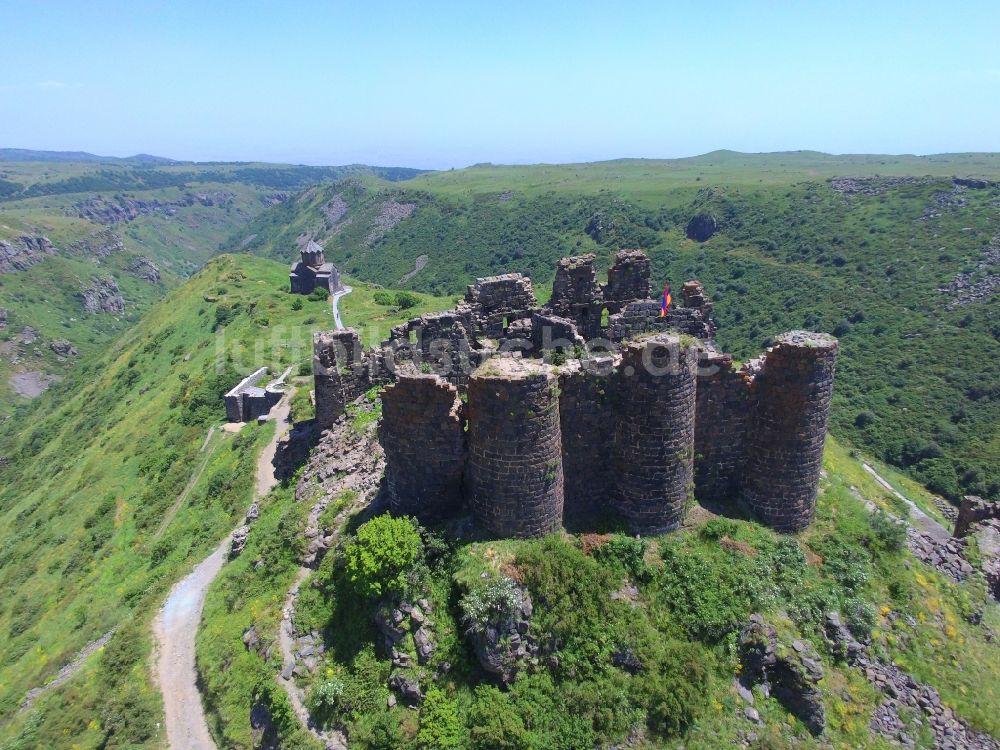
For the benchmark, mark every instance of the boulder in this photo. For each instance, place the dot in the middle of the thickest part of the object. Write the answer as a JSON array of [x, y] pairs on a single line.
[[790, 674], [701, 227], [103, 295], [408, 688], [63, 348], [240, 537], [263, 734]]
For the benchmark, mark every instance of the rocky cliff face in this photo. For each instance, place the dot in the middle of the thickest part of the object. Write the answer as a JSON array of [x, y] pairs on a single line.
[[121, 209], [103, 296], [24, 252], [100, 244], [143, 268]]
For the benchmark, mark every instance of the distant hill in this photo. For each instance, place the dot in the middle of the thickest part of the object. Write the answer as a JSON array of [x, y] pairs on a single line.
[[27, 154]]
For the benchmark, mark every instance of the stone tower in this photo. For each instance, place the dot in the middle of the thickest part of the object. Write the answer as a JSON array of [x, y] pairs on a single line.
[[424, 442], [338, 373], [514, 473], [654, 436], [790, 402], [576, 295], [628, 279]]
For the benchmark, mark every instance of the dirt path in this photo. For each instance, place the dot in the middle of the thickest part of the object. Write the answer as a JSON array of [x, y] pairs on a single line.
[[337, 322], [176, 625], [918, 519]]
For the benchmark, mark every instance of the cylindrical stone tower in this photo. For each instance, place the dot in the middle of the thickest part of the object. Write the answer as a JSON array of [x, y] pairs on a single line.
[[654, 435], [424, 443], [790, 402], [514, 472]]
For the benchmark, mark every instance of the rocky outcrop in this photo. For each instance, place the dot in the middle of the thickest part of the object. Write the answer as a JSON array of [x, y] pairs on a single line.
[[389, 215], [503, 645], [701, 227], [24, 252], [239, 542], [978, 284], [63, 348], [3, 317], [974, 510], [99, 244], [143, 268], [103, 296], [121, 209], [904, 696], [788, 671]]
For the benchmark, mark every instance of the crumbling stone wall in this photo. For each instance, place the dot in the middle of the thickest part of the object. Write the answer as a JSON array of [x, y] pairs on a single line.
[[496, 299], [654, 435], [514, 473], [551, 332], [423, 437], [339, 373], [720, 427], [576, 295], [628, 279], [586, 409], [790, 403], [643, 316]]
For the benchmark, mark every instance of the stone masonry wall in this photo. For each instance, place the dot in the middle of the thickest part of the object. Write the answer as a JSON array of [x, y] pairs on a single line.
[[577, 295], [424, 442], [514, 473], [586, 410], [654, 436], [628, 279], [338, 373], [790, 403], [495, 298], [720, 428]]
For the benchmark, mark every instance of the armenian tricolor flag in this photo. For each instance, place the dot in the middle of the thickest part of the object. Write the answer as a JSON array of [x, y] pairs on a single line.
[[666, 301]]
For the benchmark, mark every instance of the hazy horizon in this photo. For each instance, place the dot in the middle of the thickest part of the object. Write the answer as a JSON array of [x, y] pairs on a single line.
[[437, 86]]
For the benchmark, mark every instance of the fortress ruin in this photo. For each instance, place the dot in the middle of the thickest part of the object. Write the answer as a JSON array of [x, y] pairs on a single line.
[[594, 405]]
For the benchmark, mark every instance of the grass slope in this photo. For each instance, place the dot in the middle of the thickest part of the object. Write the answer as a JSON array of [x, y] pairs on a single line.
[[693, 590], [91, 469], [793, 253]]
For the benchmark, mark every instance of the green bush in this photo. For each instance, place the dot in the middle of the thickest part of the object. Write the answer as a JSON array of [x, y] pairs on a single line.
[[319, 294], [494, 722], [297, 303], [380, 556], [406, 300], [625, 552], [440, 727], [384, 298], [676, 689], [490, 600]]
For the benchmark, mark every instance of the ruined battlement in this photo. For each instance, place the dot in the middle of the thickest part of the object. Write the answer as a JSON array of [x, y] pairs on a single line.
[[507, 410]]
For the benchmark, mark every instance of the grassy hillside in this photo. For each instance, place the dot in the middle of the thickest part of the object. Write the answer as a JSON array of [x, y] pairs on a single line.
[[882, 265], [95, 522], [639, 636], [175, 214]]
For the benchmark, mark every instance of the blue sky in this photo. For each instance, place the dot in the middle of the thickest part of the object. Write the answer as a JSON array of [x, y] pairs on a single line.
[[436, 84]]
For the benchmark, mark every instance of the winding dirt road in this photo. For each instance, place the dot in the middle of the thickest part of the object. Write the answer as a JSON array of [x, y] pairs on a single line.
[[176, 625], [337, 322]]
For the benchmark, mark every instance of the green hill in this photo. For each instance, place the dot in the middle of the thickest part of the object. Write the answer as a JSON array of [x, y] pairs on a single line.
[[890, 263], [174, 215], [95, 520]]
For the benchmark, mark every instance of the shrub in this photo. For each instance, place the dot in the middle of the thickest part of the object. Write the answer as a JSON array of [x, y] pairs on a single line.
[[297, 303], [676, 689], [386, 299], [440, 728], [491, 600], [319, 294], [626, 552], [494, 722], [406, 300], [861, 617], [383, 552]]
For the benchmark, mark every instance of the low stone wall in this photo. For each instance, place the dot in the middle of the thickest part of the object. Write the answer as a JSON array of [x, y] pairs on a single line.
[[654, 436], [790, 403], [720, 429], [587, 400], [514, 474], [424, 442]]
